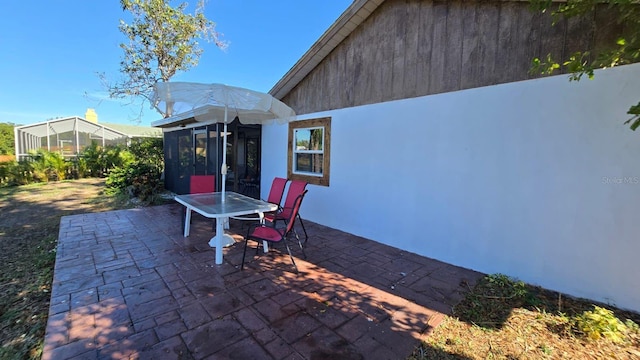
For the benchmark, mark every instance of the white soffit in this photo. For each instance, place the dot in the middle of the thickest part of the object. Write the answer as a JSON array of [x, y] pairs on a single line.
[[353, 16]]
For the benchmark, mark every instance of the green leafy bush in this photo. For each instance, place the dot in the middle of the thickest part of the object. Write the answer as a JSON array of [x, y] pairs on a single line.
[[4, 172], [48, 166], [12, 174], [98, 160], [91, 158], [601, 323], [140, 175], [149, 149], [138, 179], [40, 166], [134, 170]]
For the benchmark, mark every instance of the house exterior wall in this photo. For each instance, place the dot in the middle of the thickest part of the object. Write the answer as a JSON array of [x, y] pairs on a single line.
[[537, 179], [410, 48]]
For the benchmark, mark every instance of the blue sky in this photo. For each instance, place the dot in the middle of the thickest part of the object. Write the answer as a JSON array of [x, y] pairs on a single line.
[[52, 50]]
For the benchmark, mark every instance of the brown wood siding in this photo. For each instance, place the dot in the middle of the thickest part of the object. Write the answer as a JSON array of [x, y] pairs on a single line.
[[410, 48]]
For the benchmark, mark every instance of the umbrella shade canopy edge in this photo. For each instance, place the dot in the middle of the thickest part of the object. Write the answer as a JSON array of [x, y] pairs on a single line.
[[211, 102]]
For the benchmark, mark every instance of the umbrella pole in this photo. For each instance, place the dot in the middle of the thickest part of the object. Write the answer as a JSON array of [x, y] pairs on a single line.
[[223, 170], [225, 240]]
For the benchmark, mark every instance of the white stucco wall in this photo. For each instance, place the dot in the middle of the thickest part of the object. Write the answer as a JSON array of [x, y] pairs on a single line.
[[538, 179]]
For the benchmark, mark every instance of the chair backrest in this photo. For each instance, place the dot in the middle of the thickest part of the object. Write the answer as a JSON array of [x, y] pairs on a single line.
[[296, 188], [277, 190], [297, 202], [199, 184]]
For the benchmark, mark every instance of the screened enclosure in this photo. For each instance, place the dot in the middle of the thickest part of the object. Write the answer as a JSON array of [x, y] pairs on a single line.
[[69, 136], [198, 151]]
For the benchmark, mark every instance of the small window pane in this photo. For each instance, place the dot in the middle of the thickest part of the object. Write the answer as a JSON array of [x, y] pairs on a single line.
[[302, 139], [309, 139], [316, 138], [309, 163]]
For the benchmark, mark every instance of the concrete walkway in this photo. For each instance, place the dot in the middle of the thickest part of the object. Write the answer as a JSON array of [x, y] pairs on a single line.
[[127, 284]]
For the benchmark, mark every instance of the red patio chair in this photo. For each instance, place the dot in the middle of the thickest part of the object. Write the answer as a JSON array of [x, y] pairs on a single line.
[[275, 196], [199, 184], [277, 190], [296, 188], [263, 232]]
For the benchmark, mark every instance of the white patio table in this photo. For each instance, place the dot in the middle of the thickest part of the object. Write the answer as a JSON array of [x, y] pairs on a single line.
[[212, 205]]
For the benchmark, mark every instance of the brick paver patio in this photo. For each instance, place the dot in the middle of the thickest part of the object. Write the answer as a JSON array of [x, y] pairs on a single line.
[[127, 284]]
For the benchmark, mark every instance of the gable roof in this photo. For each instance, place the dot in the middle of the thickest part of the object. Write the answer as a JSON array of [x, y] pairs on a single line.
[[353, 16]]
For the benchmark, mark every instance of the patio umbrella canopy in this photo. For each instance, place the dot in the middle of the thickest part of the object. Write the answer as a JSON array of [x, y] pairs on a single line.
[[218, 103]]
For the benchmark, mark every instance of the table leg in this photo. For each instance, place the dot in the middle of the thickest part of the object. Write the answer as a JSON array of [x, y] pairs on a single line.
[[187, 221], [220, 240], [265, 245]]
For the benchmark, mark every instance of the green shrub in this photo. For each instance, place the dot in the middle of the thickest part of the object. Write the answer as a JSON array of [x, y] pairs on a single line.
[[48, 166], [140, 173], [4, 172], [601, 323], [20, 173], [135, 170], [138, 178], [40, 166], [76, 168], [491, 301], [98, 161], [91, 157], [149, 149]]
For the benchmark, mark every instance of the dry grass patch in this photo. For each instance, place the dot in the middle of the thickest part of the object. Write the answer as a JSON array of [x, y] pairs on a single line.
[[506, 319]]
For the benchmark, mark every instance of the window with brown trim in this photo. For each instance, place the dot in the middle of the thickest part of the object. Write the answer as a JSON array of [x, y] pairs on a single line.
[[308, 151]]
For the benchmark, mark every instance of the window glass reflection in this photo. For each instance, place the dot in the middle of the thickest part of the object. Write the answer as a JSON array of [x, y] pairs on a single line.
[[309, 163], [309, 139]]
